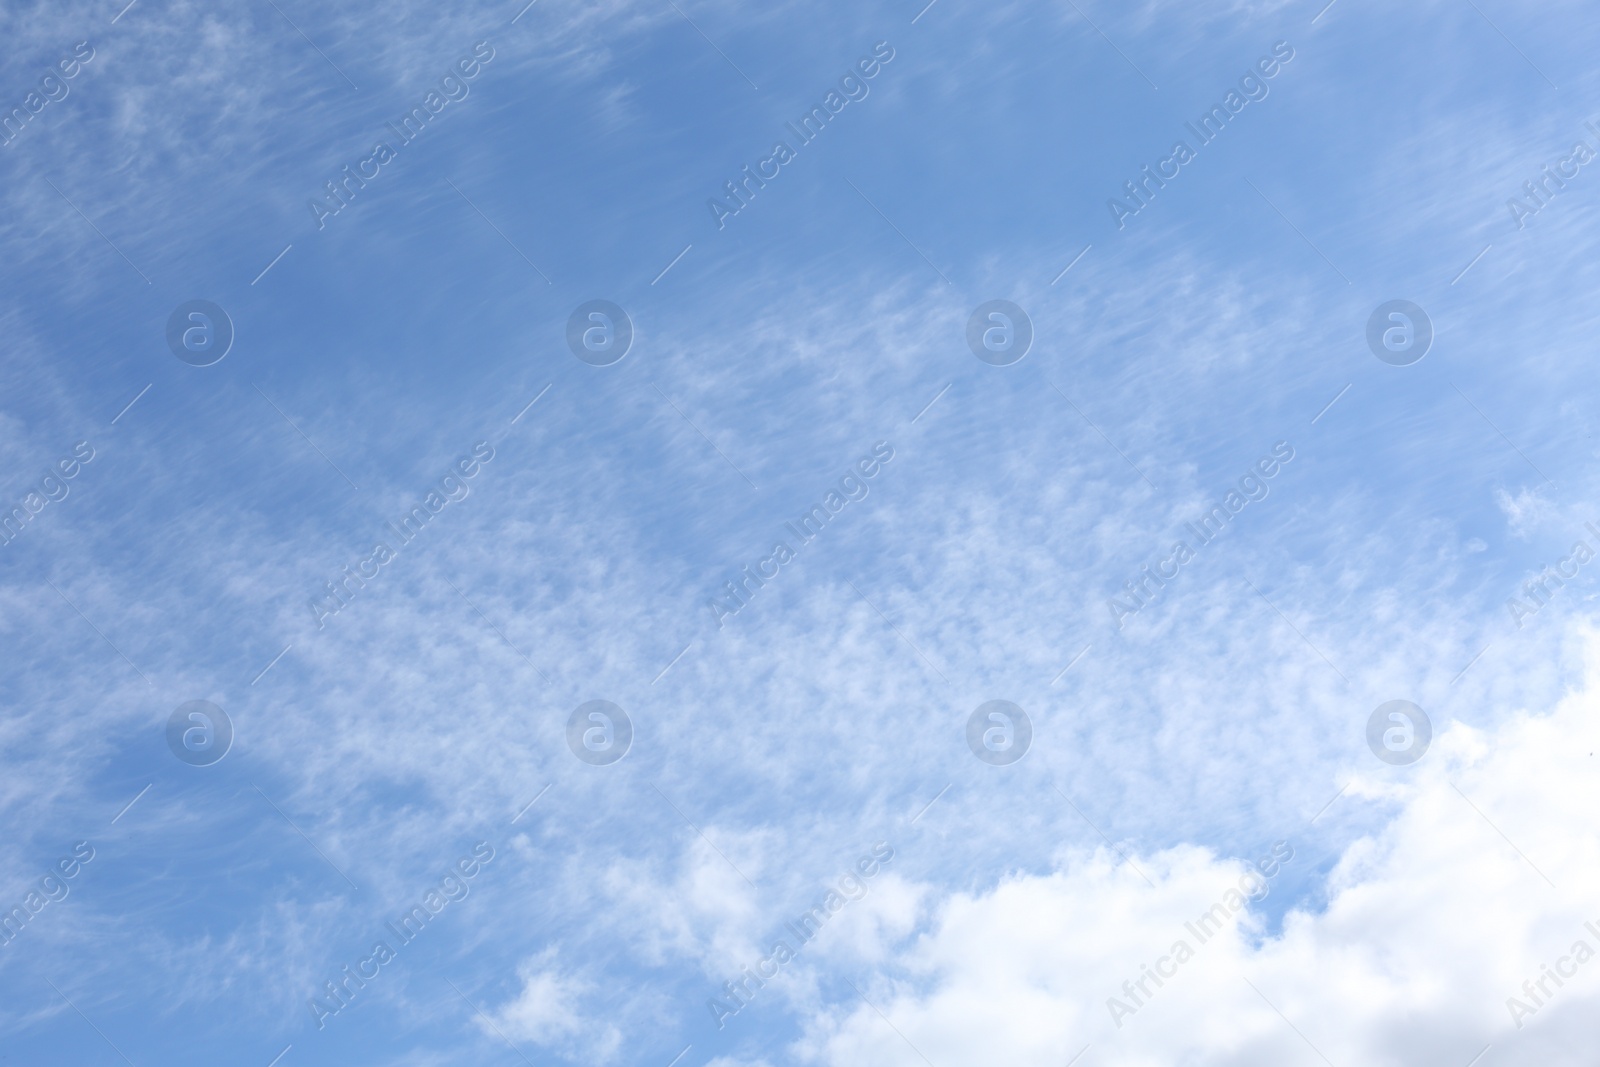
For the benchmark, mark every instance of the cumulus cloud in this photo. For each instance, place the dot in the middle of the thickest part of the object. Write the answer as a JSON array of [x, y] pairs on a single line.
[[550, 1012], [1485, 877], [1524, 510]]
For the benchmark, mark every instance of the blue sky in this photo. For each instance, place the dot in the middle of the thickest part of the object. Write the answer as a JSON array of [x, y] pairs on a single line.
[[425, 324]]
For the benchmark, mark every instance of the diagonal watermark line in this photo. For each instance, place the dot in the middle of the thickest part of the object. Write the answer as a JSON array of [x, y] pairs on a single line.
[[499, 231], [1079, 1056], [1296, 629], [1469, 266], [308, 840], [1111, 844], [274, 263], [1328, 805], [686, 1049], [98, 230], [1514, 47], [490, 1021], [1503, 437], [1330, 404], [1323, 12], [497, 630], [121, 13], [130, 403], [307, 440], [674, 263], [899, 231], [313, 44], [1297, 229], [1503, 837], [932, 802], [703, 837], [1074, 263], [530, 404], [1068, 667], [669, 666], [1285, 1018], [92, 1026], [524, 11], [1470, 662], [280, 1056], [101, 632], [130, 804], [891, 1026], [923, 12], [1113, 44], [896, 629], [930, 404], [713, 44], [271, 665], [1480, 1055], [529, 804], [708, 440], [1103, 437]]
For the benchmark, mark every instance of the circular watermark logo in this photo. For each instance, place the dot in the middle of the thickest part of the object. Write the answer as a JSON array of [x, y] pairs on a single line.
[[999, 333], [999, 732], [599, 732], [599, 333], [1399, 732], [1399, 333], [199, 332], [199, 733]]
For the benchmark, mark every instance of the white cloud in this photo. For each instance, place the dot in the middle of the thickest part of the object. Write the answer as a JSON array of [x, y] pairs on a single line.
[[550, 1012], [1524, 510], [1430, 925]]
